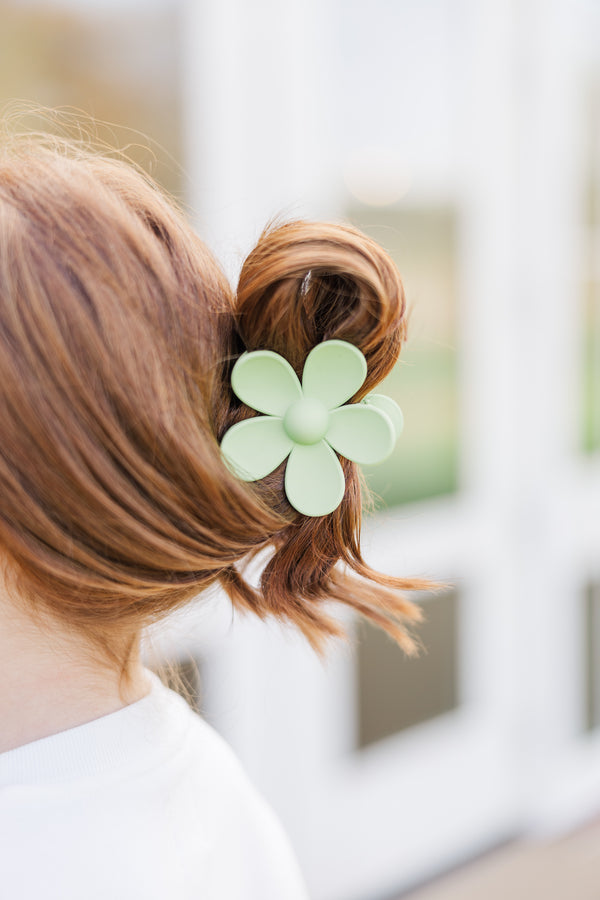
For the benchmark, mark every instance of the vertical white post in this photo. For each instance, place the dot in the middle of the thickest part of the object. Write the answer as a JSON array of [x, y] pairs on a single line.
[[254, 115], [490, 360], [546, 324]]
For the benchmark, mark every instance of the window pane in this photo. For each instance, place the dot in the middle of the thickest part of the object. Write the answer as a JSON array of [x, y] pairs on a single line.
[[592, 656], [591, 278], [395, 692], [424, 382]]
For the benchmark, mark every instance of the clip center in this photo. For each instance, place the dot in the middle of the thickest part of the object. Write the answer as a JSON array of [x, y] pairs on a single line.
[[306, 421]]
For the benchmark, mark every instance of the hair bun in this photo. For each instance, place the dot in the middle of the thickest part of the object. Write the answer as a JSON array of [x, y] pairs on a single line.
[[307, 282], [304, 283]]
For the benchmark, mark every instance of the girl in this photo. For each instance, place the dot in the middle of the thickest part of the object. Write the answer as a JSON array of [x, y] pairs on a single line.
[[118, 335]]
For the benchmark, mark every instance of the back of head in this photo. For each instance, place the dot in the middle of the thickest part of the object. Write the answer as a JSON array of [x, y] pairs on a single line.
[[118, 332]]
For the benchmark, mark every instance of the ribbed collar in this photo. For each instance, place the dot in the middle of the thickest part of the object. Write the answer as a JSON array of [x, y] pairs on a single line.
[[131, 739]]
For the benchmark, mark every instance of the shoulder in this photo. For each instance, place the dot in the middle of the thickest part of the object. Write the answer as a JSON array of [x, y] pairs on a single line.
[[212, 792], [217, 771]]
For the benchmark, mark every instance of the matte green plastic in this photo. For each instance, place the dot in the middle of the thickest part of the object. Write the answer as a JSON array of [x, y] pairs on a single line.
[[361, 433], [266, 382], [333, 372], [389, 407], [314, 480], [255, 447], [308, 423]]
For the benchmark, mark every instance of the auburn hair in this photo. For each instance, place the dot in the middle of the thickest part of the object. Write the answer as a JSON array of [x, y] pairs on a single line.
[[118, 332]]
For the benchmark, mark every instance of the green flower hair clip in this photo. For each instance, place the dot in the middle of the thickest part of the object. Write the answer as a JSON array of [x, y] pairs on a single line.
[[307, 422]]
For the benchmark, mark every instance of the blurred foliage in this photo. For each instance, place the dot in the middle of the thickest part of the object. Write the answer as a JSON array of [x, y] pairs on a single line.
[[120, 68], [591, 369], [590, 424], [424, 463]]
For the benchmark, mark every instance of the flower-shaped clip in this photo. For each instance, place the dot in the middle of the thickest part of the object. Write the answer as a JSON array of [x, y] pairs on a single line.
[[308, 423]]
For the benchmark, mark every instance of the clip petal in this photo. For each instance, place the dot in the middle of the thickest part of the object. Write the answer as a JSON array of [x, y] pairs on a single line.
[[389, 407], [314, 480], [361, 433], [333, 372], [266, 382], [255, 447]]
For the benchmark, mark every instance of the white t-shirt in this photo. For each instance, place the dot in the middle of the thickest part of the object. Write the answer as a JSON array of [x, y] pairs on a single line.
[[146, 803]]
